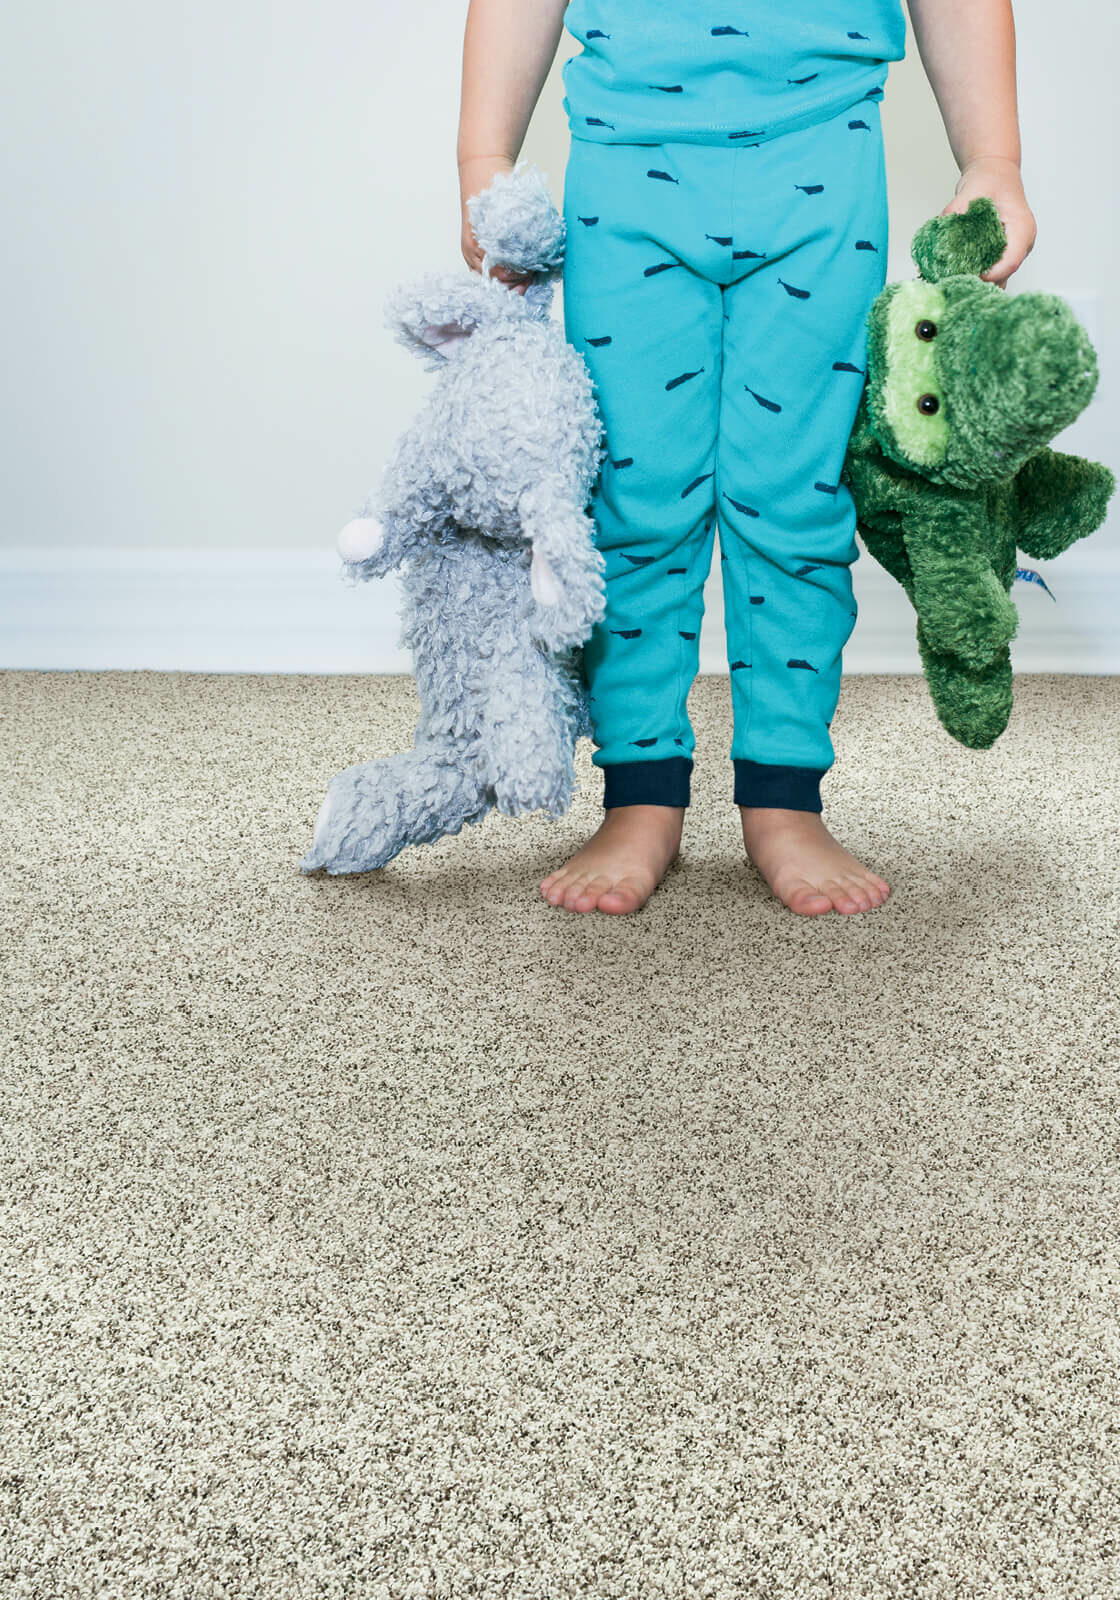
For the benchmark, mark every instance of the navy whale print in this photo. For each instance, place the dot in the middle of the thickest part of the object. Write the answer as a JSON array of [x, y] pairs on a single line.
[[695, 484], [748, 511], [675, 383], [770, 405]]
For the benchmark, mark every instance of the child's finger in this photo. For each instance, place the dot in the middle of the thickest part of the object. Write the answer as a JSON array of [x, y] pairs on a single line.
[[516, 282], [1020, 242], [510, 276], [1000, 273]]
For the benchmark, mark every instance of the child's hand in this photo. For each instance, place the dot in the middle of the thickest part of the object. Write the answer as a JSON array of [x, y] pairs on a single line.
[[474, 176], [999, 179]]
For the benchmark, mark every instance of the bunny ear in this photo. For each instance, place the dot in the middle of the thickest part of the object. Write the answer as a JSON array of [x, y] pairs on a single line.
[[448, 338], [964, 242], [435, 316]]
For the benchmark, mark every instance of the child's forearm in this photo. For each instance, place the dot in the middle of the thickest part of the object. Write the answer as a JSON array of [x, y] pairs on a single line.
[[968, 52], [967, 48], [508, 49]]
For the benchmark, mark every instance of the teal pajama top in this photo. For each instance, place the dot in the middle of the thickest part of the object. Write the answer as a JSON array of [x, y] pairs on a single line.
[[717, 71]]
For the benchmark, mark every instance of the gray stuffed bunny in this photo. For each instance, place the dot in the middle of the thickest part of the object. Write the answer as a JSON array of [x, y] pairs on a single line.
[[485, 505]]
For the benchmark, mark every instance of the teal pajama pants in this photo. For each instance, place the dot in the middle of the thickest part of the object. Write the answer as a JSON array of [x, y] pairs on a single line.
[[719, 296]]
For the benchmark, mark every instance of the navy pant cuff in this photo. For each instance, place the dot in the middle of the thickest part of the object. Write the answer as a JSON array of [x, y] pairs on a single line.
[[791, 788], [647, 783]]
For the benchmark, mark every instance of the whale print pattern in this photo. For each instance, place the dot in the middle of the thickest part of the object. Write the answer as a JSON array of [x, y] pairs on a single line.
[[716, 71], [720, 303]]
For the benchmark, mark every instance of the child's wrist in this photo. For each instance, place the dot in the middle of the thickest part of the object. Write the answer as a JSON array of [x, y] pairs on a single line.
[[475, 172], [498, 159], [985, 160]]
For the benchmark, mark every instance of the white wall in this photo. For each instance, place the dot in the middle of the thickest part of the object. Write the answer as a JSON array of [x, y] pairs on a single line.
[[205, 206]]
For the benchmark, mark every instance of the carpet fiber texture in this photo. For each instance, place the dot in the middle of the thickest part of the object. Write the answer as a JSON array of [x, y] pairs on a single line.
[[405, 1236]]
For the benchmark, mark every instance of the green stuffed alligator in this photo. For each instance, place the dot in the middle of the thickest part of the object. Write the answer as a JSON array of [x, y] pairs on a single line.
[[948, 461]]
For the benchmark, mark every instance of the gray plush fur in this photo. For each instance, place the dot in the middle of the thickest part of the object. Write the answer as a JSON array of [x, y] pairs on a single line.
[[484, 506]]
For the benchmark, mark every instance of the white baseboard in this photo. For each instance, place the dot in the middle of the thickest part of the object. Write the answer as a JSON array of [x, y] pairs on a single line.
[[284, 611]]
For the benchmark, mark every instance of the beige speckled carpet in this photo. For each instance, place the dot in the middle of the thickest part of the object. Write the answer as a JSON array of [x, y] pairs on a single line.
[[403, 1235]]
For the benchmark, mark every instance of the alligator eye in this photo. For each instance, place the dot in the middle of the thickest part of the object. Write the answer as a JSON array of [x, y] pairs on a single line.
[[928, 404], [926, 329]]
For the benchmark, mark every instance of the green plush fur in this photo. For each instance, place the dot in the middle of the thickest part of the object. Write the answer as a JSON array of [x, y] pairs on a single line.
[[947, 490]]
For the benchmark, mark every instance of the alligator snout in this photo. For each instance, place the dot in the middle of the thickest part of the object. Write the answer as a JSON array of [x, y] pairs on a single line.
[[1038, 355]]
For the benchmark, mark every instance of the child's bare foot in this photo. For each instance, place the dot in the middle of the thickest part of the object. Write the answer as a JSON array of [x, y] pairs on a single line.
[[805, 866], [621, 865]]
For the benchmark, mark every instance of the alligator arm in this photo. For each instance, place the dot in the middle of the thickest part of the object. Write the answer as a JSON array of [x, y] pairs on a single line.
[[964, 608], [1061, 499]]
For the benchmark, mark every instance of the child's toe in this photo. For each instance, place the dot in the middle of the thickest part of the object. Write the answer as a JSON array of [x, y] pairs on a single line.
[[859, 891], [588, 892], [574, 892], [840, 894], [625, 895], [807, 900]]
